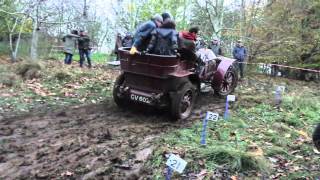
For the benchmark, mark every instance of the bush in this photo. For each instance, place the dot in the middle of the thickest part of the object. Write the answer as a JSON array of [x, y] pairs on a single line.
[[62, 75], [29, 70], [9, 79]]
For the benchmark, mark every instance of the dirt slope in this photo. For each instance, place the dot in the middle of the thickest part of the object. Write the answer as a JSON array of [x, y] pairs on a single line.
[[93, 141]]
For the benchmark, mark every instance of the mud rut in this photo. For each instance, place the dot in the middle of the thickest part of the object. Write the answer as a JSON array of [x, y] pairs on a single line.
[[88, 142]]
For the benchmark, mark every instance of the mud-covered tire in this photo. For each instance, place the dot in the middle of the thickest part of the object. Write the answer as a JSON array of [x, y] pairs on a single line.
[[121, 102], [316, 137], [182, 103], [229, 83]]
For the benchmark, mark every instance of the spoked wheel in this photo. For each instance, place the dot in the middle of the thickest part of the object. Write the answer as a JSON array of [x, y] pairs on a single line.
[[229, 82], [116, 94], [182, 104], [316, 137]]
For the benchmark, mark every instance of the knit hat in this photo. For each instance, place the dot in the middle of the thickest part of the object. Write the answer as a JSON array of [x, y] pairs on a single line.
[[158, 18], [165, 16]]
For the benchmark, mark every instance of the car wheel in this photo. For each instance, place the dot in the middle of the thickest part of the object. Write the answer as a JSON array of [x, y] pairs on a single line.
[[121, 102], [229, 82], [316, 137], [183, 102]]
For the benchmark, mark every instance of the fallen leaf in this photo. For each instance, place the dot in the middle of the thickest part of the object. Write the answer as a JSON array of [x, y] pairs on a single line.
[[304, 134], [316, 151], [255, 150], [233, 177]]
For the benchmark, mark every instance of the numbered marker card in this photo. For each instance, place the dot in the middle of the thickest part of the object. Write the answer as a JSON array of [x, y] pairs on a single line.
[[211, 116], [231, 98], [176, 163]]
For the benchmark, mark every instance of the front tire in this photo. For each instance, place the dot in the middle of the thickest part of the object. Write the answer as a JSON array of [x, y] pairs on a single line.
[[229, 82], [316, 137], [182, 103]]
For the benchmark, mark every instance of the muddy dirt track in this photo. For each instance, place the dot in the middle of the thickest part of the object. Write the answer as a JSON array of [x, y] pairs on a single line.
[[88, 142]]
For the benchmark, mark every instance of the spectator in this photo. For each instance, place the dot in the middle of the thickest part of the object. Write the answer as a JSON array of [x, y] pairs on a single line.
[[118, 45], [69, 45], [127, 40], [143, 34], [215, 47], [84, 48], [240, 53], [164, 40]]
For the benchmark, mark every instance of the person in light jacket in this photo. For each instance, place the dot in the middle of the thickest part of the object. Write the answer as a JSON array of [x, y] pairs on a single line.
[[70, 45]]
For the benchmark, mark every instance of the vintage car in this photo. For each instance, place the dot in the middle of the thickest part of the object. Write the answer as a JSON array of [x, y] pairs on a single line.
[[170, 82], [316, 137]]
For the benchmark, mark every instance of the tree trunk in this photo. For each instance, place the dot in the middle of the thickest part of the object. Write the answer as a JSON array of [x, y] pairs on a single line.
[[19, 37], [34, 41]]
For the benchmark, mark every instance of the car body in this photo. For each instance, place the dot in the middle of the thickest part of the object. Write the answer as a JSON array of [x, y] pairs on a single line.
[[168, 81]]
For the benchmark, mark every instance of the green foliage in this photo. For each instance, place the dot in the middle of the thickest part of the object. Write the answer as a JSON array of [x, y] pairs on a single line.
[[99, 58], [289, 35]]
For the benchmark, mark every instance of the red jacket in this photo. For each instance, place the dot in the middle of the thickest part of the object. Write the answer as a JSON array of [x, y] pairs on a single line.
[[189, 36]]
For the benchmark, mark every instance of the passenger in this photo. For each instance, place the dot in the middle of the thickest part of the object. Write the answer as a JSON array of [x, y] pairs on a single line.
[[188, 39], [143, 34], [187, 44], [164, 40]]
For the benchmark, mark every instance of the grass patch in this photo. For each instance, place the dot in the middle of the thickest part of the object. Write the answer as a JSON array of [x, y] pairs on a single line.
[[96, 57], [9, 79], [281, 137], [29, 69]]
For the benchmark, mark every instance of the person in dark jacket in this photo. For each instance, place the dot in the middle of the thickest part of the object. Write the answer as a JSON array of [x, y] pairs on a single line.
[[70, 45], [215, 47], [143, 34], [84, 48], [240, 53], [164, 40], [118, 45]]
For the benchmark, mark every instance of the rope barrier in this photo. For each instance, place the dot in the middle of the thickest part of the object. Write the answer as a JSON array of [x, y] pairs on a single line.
[[279, 65]]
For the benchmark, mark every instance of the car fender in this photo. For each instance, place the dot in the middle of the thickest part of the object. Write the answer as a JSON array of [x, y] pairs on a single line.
[[221, 70]]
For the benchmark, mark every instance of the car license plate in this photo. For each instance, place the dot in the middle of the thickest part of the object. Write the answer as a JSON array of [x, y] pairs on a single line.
[[139, 98]]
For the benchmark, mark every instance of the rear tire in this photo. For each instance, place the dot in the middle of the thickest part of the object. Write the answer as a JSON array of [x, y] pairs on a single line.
[[229, 82], [316, 137], [182, 103], [121, 102]]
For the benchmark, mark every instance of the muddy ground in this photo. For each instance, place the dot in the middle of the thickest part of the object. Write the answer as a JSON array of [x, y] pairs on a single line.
[[87, 142]]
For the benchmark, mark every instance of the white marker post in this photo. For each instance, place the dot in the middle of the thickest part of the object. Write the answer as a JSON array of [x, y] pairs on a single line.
[[229, 98], [210, 116]]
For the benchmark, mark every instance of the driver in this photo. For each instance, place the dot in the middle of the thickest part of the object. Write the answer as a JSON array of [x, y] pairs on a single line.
[[206, 60]]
